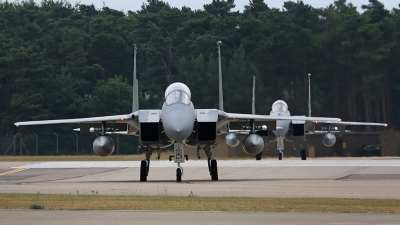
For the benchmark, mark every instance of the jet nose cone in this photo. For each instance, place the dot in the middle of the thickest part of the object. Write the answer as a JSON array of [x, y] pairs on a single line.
[[178, 125]]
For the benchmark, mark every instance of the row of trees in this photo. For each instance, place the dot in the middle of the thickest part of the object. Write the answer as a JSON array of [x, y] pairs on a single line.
[[64, 61]]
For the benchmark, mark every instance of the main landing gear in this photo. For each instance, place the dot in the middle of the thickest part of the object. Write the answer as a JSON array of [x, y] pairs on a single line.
[[303, 154], [212, 163], [299, 143], [179, 158], [145, 164], [259, 156]]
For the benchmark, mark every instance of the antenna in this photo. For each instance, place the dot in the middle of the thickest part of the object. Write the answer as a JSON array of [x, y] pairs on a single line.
[[253, 103], [309, 94], [221, 97], [135, 99]]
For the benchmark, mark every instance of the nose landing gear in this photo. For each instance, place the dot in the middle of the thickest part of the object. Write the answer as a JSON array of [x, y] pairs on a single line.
[[179, 172], [179, 158], [280, 146]]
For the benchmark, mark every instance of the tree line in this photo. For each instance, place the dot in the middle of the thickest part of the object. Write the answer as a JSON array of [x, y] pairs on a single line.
[[63, 61]]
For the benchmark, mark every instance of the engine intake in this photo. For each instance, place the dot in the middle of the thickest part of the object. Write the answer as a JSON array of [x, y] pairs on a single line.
[[253, 144], [103, 146]]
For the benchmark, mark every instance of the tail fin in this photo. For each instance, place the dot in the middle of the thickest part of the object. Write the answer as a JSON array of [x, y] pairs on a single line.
[[253, 102], [135, 100], [221, 98], [309, 94]]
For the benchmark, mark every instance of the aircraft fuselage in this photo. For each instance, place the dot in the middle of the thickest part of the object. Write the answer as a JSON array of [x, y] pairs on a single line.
[[178, 113], [178, 120], [280, 108]]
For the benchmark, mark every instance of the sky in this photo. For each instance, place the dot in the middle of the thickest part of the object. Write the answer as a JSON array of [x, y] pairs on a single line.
[[134, 5]]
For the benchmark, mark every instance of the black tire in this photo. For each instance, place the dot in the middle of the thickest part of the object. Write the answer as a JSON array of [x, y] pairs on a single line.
[[303, 154], [143, 170], [259, 156], [178, 175], [280, 155], [214, 170]]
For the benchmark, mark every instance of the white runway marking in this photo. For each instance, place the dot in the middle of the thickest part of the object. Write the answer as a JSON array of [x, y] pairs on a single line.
[[221, 163]]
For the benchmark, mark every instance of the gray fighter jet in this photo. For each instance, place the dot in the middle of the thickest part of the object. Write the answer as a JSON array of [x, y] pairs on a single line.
[[178, 123], [294, 130]]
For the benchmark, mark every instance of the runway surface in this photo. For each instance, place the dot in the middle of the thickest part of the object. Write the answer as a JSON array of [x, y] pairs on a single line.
[[221, 163], [332, 177], [177, 218]]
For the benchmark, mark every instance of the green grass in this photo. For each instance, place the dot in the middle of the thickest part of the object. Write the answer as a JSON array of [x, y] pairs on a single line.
[[193, 203]]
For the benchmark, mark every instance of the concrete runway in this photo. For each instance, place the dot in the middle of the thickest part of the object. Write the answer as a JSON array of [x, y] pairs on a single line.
[[332, 177], [9, 217]]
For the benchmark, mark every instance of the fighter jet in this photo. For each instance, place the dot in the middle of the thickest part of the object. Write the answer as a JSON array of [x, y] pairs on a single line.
[[294, 130], [178, 123]]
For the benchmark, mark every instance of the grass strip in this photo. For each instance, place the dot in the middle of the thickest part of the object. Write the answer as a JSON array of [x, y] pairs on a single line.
[[101, 202]]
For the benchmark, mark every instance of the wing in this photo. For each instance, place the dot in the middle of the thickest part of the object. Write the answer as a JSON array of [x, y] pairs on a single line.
[[236, 116], [114, 132], [108, 119], [356, 123], [316, 120], [270, 121], [239, 121]]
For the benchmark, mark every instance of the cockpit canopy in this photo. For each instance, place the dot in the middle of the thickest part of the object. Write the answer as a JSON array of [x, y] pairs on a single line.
[[279, 106], [177, 92]]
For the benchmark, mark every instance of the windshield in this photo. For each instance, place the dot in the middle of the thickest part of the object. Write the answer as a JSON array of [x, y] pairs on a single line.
[[177, 86], [279, 106], [177, 96]]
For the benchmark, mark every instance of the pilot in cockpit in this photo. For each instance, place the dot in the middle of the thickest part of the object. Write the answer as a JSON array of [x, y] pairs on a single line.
[[279, 106], [177, 92]]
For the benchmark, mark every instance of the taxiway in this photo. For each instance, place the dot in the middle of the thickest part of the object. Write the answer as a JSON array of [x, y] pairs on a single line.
[[317, 178]]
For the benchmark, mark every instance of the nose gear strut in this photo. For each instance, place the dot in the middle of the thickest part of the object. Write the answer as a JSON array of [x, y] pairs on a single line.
[[179, 158]]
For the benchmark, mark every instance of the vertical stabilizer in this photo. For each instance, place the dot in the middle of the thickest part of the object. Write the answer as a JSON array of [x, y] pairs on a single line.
[[135, 100], [309, 94], [221, 98], [253, 102]]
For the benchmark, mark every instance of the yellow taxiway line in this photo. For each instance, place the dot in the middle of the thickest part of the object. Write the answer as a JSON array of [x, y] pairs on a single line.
[[13, 171]]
